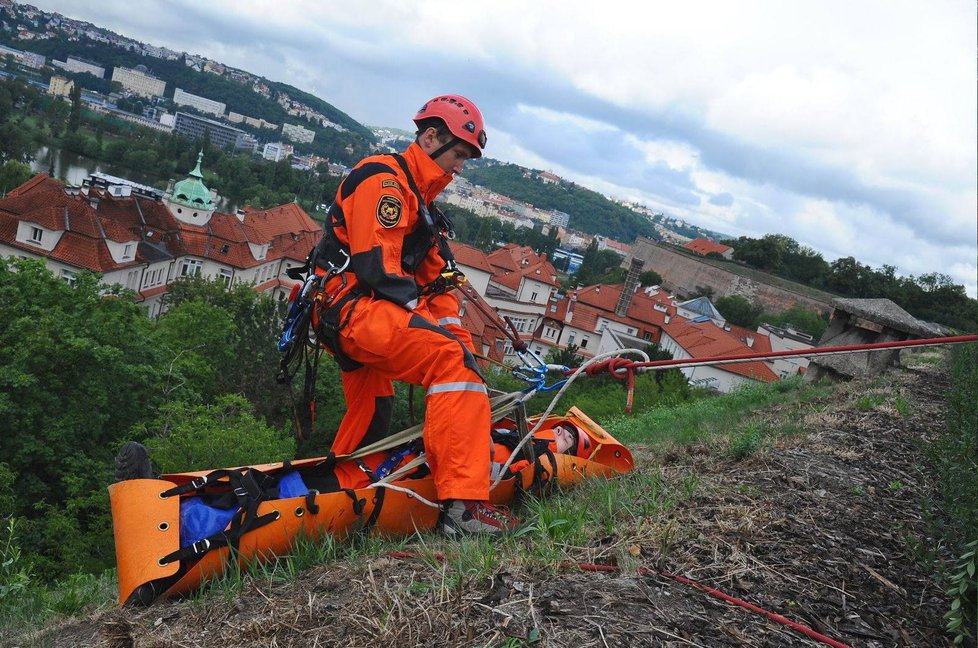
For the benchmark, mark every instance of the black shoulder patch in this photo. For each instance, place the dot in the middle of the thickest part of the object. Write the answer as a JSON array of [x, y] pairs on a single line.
[[389, 183], [389, 211], [360, 174]]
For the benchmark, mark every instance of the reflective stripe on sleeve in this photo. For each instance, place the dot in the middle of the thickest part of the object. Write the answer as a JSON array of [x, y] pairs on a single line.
[[457, 387], [449, 320]]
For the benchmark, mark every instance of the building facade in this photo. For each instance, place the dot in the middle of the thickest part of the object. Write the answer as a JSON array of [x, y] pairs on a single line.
[[144, 243], [203, 104], [60, 86], [298, 133], [139, 82], [77, 64], [221, 135]]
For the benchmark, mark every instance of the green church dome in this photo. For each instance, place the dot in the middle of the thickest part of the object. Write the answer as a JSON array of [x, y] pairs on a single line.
[[192, 192]]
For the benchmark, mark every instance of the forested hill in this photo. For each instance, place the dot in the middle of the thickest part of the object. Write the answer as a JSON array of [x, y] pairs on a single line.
[[589, 211], [232, 88]]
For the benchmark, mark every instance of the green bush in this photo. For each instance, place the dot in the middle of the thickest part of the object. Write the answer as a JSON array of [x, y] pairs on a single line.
[[955, 453], [958, 447], [189, 437]]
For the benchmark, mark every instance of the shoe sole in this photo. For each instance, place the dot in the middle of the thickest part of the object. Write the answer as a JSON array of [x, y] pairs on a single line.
[[132, 462]]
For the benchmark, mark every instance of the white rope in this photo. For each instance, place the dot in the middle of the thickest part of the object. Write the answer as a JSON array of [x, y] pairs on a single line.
[[553, 403], [409, 492]]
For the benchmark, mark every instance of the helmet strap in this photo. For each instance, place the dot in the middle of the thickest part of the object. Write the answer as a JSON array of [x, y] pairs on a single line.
[[444, 149]]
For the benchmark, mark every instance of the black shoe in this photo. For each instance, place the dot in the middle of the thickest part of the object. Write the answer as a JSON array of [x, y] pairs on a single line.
[[132, 462]]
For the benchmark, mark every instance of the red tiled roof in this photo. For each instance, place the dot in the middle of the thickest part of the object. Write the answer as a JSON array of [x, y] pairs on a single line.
[[641, 311], [705, 246], [485, 332], [707, 340], [469, 256], [287, 230], [522, 261]]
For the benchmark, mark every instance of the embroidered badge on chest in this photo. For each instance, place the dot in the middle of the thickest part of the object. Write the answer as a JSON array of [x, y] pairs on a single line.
[[389, 211]]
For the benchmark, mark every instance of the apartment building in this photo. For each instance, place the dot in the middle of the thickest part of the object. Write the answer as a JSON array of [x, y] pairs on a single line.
[[298, 133], [221, 135], [203, 104], [78, 64], [144, 243], [139, 82]]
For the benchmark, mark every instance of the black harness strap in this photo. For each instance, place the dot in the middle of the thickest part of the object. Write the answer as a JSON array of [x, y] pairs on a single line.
[[247, 489]]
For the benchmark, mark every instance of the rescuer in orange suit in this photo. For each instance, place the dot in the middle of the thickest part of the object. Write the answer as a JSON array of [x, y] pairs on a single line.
[[389, 316]]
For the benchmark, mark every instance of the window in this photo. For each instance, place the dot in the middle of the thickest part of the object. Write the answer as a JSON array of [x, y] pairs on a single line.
[[191, 267], [553, 308], [127, 251], [225, 274], [68, 276], [584, 340], [647, 336], [570, 338], [533, 296], [37, 234]]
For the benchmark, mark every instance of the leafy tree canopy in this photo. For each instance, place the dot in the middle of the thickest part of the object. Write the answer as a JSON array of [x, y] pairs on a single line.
[[589, 211]]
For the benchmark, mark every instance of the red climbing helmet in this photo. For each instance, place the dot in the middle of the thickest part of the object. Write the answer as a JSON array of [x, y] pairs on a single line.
[[460, 115]]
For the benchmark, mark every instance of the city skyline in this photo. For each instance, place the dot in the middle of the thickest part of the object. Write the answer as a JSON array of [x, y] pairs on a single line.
[[848, 128]]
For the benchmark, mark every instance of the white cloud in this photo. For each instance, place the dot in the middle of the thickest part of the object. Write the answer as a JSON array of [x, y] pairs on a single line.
[[848, 126]]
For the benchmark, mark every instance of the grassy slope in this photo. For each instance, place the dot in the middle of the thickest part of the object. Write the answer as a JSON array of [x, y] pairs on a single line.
[[695, 479]]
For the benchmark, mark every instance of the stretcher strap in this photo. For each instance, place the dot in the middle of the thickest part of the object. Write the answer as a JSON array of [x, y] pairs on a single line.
[[500, 406]]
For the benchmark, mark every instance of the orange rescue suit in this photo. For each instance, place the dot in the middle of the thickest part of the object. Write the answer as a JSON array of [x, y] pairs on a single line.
[[395, 333]]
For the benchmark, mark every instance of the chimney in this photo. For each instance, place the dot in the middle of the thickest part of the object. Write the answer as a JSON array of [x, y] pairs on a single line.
[[93, 201], [666, 319], [631, 285], [750, 341]]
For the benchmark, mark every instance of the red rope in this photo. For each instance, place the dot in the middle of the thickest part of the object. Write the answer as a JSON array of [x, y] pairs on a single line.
[[645, 571], [618, 367]]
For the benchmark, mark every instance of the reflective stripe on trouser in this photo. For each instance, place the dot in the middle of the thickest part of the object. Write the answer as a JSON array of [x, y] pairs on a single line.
[[395, 344], [444, 309]]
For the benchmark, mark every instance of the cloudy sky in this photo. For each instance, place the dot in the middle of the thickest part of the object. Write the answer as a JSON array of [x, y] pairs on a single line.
[[848, 126]]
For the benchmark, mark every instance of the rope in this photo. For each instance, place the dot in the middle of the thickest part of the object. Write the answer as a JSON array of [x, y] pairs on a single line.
[[645, 571], [553, 403], [619, 367]]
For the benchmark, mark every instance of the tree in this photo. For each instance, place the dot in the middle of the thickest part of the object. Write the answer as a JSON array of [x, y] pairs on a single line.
[[77, 370], [800, 319], [737, 310], [567, 356], [703, 291], [13, 174], [74, 116], [598, 265], [186, 436]]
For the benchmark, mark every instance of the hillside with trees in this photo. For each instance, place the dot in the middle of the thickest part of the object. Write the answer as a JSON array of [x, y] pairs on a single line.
[[589, 211], [239, 96], [932, 297]]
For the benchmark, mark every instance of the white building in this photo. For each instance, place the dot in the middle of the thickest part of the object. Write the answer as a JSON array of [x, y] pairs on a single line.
[[144, 244], [203, 104], [273, 151], [139, 82], [298, 133], [76, 64]]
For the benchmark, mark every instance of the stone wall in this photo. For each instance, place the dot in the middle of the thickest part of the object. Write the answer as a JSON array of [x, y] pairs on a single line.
[[682, 274]]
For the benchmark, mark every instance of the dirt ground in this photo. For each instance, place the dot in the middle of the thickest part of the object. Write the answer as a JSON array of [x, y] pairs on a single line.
[[826, 527]]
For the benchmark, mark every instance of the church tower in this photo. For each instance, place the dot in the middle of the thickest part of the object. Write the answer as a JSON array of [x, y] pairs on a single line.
[[190, 201]]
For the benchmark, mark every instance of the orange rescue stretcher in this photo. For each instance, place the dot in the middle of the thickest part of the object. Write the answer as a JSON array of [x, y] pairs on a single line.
[[147, 515]]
